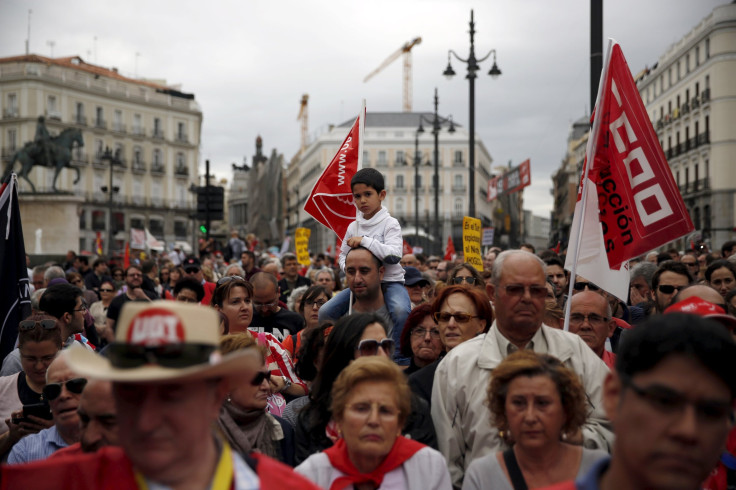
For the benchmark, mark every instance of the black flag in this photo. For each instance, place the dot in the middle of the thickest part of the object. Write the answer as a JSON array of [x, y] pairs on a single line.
[[15, 300]]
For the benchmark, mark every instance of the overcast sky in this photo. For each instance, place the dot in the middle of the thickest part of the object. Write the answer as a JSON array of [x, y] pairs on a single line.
[[248, 62]]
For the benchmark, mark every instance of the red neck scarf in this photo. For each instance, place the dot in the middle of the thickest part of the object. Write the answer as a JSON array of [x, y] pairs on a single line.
[[402, 450]]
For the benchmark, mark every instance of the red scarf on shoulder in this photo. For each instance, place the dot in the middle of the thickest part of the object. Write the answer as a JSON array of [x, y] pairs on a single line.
[[402, 450]]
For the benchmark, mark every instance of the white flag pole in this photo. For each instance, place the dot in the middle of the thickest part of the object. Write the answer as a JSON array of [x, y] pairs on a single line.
[[589, 157]]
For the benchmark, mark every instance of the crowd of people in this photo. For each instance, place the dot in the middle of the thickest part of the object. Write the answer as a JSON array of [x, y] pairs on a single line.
[[260, 372]]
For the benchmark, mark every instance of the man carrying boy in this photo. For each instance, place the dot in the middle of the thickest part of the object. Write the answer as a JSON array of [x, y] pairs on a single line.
[[375, 230]]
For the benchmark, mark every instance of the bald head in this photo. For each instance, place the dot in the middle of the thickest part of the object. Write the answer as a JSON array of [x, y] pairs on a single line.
[[264, 280], [702, 291]]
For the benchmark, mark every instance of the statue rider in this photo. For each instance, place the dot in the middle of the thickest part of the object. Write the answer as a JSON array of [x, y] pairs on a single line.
[[43, 142]]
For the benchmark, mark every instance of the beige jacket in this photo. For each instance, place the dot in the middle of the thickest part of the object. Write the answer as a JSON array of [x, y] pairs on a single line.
[[459, 409]]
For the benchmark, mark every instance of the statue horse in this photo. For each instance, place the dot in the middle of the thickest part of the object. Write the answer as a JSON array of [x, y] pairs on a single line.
[[60, 150]]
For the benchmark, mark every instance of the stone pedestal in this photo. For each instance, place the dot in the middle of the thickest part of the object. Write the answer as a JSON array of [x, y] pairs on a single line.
[[50, 223]]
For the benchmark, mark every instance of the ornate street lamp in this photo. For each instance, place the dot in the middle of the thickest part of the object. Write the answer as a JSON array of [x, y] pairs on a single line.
[[473, 67]]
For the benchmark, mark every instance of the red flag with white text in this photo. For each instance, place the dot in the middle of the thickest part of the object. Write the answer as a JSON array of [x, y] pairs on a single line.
[[331, 200], [406, 249], [628, 202], [450, 250]]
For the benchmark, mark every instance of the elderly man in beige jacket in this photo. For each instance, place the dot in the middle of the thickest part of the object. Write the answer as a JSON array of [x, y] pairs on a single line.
[[459, 411]]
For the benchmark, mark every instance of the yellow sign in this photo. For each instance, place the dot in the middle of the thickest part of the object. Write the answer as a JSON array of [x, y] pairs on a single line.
[[301, 242], [471, 242]]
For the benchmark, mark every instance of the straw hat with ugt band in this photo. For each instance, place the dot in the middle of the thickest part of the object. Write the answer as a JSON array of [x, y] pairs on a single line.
[[164, 341]]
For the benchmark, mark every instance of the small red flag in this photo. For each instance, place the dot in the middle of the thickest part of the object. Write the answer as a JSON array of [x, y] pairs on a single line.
[[450, 250], [331, 200], [407, 248], [126, 257]]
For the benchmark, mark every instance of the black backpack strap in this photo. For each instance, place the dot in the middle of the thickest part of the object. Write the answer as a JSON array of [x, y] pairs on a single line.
[[512, 466]]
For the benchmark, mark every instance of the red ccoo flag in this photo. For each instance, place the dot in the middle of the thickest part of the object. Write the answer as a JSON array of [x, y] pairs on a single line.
[[450, 250], [406, 248], [628, 202], [331, 200]]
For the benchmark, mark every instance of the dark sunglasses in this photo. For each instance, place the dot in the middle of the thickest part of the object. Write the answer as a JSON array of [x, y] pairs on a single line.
[[580, 286], [260, 377], [30, 324], [105, 290], [668, 289], [191, 270], [369, 347], [52, 391], [126, 356], [227, 279], [467, 280]]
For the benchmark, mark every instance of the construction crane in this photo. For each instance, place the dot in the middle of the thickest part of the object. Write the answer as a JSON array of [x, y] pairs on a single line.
[[406, 51], [303, 117]]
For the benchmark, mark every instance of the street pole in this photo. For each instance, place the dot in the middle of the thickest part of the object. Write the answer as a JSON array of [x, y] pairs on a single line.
[[207, 200], [417, 162], [436, 178], [473, 67]]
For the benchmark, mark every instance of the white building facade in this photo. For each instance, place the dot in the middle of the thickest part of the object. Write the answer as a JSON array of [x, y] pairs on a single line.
[[153, 128], [389, 146]]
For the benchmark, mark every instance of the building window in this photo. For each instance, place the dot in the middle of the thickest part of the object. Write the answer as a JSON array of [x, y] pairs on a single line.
[[687, 63], [98, 220], [382, 157], [99, 117], [12, 139], [707, 48], [706, 217], [678, 71], [366, 158], [137, 155], [156, 156], [118, 121], [180, 161], [400, 157], [181, 132], [697, 56], [12, 105], [400, 211], [118, 222], [399, 181], [180, 230], [119, 152], [458, 208], [158, 131], [137, 223], [99, 148], [458, 156], [419, 181], [696, 218], [156, 227], [458, 181], [137, 124], [83, 220]]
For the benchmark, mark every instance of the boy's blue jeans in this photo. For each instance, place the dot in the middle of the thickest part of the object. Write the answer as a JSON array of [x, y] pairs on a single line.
[[398, 305]]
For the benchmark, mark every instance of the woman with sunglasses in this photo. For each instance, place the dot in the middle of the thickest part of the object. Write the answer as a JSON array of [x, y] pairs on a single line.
[[118, 277], [233, 296], [312, 300], [243, 418], [98, 309], [39, 341], [353, 336], [461, 313], [466, 275], [370, 404], [420, 339]]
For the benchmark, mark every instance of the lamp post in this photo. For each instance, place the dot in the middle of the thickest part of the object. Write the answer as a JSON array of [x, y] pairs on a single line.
[[436, 126], [114, 159], [472, 66]]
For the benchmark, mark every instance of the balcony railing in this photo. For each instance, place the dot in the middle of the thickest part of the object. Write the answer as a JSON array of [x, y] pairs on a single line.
[[79, 159], [157, 169], [138, 167], [8, 153], [181, 171], [10, 113], [182, 138], [695, 186], [80, 119], [704, 138], [138, 131], [458, 163], [118, 127], [157, 133], [459, 188], [705, 96], [100, 123]]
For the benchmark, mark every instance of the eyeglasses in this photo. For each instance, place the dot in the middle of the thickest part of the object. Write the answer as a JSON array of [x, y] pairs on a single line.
[[134, 274], [52, 391], [594, 319], [191, 270], [227, 279], [363, 410], [106, 290], [30, 324], [580, 286], [668, 289], [670, 402], [273, 304], [444, 317], [421, 332], [180, 355], [466, 279], [260, 377], [319, 304], [369, 347], [536, 291], [691, 264], [82, 307]]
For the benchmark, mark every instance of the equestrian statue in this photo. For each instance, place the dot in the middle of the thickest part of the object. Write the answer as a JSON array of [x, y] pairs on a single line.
[[46, 151]]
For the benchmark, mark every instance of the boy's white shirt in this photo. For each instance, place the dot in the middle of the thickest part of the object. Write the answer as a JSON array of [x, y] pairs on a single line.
[[382, 236]]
